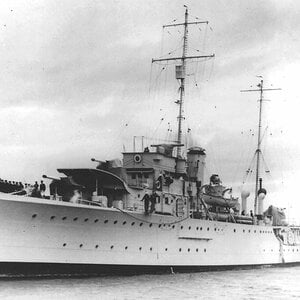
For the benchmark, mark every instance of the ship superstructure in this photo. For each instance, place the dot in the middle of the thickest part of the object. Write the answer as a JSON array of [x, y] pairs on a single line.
[[150, 211]]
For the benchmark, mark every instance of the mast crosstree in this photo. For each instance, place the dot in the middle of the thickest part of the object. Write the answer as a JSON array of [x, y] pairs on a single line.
[[181, 71], [258, 152]]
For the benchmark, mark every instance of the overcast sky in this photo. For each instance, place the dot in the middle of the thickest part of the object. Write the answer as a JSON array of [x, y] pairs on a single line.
[[76, 82]]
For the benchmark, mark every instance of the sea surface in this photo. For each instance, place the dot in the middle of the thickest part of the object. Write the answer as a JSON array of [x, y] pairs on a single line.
[[265, 283]]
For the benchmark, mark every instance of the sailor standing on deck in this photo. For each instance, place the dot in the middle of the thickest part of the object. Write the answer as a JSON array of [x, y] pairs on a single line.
[[42, 189], [146, 200], [153, 202]]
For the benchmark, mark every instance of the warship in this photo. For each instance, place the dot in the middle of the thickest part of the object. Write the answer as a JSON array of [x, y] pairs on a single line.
[[150, 212]]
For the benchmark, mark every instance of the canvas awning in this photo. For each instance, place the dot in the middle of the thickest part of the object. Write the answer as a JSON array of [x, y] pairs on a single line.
[[89, 177]]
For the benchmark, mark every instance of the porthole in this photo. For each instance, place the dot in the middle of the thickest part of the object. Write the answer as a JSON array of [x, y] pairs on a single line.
[[243, 230], [197, 228], [189, 249], [254, 231], [180, 249], [215, 229], [166, 249], [80, 245], [64, 218], [204, 250], [115, 222], [126, 247], [173, 226], [96, 220], [159, 225], [105, 221], [207, 228], [150, 225], [124, 222], [181, 227], [151, 249], [234, 230], [137, 158], [64, 244], [132, 223], [249, 230], [141, 224], [200, 228], [197, 249], [112, 246], [190, 227], [34, 215], [52, 218], [75, 219], [85, 220], [140, 248], [97, 246]]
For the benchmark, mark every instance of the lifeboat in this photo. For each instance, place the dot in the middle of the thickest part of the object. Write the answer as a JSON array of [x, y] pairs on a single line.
[[219, 200], [215, 195]]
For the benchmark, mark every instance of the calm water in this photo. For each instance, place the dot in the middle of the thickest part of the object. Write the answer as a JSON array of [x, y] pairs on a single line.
[[268, 283]]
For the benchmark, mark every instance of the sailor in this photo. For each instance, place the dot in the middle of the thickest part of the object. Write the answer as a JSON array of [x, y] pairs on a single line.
[[42, 189], [146, 200], [76, 197], [36, 185], [251, 213], [35, 192], [153, 202]]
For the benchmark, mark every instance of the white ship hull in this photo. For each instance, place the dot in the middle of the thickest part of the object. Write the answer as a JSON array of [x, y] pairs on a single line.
[[40, 231]]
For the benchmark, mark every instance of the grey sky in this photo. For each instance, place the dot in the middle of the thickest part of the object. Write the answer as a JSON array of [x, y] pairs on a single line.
[[75, 83]]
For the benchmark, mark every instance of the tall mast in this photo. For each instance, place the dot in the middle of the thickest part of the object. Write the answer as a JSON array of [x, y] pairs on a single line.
[[258, 151], [182, 82], [182, 69]]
